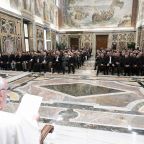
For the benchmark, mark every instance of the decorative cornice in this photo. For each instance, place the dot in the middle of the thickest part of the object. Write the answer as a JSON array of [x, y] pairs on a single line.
[[40, 25], [101, 30], [46, 24], [10, 13]]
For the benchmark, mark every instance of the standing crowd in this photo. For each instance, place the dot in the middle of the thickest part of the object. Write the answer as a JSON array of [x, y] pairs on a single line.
[[59, 61], [124, 62]]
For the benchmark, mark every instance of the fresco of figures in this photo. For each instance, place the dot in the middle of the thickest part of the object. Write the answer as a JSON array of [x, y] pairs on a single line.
[[46, 12], [27, 5], [39, 5], [21, 4], [97, 13], [10, 36], [15, 4], [45, 9], [141, 11]]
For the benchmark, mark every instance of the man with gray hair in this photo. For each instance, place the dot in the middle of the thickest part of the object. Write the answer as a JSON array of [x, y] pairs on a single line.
[[15, 129]]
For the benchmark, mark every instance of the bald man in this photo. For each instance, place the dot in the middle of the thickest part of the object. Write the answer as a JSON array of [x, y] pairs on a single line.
[[13, 128]]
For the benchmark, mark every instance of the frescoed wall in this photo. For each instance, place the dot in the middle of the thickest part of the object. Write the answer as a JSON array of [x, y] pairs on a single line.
[[119, 39], [27, 5], [10, 36], [40, 38], [14, 4], [39, 7], [140, 20], [97, 13]]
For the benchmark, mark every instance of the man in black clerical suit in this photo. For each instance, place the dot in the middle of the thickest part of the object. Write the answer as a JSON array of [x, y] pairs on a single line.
[[110, 63], [30, 61], [37, 62], [18, 60], [50, 61], [117, 63], [101, 63], [134, 64], [71, 63], [127, 65], [44, 64], [65, 60], [12, 61], [4, 60], [141, 63], [57, 62]]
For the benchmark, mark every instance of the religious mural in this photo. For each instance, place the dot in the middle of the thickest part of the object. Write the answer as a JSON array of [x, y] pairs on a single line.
[[141, 12], [11, 40], [39, 4], [22, 4], [40, 38], [121, 40], [46, 12], [97, 13], [141, 41], [8, 44], [51, 13], [27, 5], [14, 3]]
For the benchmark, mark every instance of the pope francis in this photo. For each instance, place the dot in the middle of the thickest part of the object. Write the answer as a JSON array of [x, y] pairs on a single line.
[[15, 129]]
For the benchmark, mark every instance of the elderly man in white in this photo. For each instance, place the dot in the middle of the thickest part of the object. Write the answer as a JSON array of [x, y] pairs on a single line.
[[14, 129]]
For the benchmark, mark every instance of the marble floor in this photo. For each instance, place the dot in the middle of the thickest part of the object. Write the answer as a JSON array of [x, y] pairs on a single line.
[[84, 108]]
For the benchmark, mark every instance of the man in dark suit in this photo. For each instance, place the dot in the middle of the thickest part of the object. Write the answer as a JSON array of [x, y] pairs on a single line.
[[101, 63], [127, 65], [71, 63], [110, 63], [117, 63]]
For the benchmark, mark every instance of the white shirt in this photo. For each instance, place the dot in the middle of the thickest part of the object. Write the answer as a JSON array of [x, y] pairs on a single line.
[[57, 58], [110, 61], [16, 130]]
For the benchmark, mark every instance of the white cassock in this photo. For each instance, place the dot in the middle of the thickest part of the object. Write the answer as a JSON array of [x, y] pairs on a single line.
[[16, 130]]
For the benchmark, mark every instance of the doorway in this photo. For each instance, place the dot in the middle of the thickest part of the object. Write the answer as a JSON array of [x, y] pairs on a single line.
[[101, 41], [74, 43]]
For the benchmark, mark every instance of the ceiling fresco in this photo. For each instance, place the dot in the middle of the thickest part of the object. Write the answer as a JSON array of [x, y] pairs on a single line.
[[97, 13]]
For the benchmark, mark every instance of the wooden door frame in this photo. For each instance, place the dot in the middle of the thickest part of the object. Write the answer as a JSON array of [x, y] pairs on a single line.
[[104, 34]]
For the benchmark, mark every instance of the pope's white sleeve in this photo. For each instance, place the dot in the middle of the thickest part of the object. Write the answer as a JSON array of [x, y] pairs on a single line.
[[27, 133]]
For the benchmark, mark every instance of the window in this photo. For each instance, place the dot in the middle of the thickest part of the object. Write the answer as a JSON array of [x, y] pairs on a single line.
[[45, 38], [26, 37]]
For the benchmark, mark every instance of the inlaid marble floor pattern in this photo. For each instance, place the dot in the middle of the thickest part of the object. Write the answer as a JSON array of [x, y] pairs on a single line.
[[84, 108]]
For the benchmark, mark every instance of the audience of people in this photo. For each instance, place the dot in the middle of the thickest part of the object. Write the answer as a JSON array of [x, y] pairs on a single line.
[[59, 61], [121, 62]]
